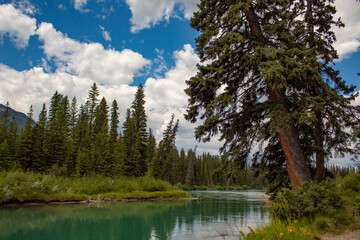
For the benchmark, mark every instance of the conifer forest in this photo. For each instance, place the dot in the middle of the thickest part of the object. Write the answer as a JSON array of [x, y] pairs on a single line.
[[72, 140]]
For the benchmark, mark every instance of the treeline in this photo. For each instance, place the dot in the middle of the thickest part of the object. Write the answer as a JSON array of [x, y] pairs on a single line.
[[75, 141]]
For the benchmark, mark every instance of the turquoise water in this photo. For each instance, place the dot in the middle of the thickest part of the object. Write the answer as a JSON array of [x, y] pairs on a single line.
[[217, 215]]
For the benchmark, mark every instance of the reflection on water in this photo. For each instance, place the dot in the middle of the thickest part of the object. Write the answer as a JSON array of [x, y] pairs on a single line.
[[216, 215]]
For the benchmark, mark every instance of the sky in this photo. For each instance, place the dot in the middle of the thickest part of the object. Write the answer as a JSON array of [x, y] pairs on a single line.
[[68, 45]]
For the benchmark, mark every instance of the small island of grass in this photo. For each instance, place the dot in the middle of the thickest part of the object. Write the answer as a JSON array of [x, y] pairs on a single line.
[[29, 187]]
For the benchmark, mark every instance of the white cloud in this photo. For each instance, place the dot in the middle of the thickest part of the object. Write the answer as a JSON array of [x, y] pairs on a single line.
[[25, 6], [148, 13], [165, 96], [348, 38], [90, 60], [105, 33], [80, 4], [18, 26]]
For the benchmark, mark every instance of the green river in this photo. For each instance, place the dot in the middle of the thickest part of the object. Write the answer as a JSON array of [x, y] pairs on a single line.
[[216, 215]]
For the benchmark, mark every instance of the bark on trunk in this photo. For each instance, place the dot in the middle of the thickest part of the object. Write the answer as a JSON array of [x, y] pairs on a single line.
[[296, 164]]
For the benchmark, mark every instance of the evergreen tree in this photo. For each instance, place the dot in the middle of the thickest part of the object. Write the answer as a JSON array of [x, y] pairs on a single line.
[[130, 142], [26, 151], [151, 147], [114, 125], [162, 163], [119, 157], [8, 140], [58, 131], [139, 115], [100, 149], [92, 102], [74, 117], [82, 141], [40, 141], [272, 79], [5, 123]]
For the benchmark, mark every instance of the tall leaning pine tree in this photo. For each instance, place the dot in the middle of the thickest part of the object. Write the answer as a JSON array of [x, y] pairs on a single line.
[[264, 83]]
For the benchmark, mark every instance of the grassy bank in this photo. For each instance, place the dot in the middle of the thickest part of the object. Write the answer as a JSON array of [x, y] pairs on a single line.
[[20, 187], [313, 210]]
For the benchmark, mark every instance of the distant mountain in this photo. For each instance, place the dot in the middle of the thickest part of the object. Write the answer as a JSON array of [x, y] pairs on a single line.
[[20, 117]]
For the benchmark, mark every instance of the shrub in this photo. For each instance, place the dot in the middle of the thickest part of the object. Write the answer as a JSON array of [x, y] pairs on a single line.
[[356, 207], [351, 183], [307, 200]]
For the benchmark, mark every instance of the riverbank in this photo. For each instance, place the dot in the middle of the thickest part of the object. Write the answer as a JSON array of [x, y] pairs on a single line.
[[32, 188], [329, 210]]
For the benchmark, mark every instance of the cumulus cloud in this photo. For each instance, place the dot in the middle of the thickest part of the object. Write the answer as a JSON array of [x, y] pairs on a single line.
[[90, 60], [148, 13], [348, 38], [165, 96], [105, 34], [16, 25]]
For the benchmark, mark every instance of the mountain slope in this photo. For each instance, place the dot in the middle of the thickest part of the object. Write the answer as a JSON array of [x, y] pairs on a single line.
[[20, 117]]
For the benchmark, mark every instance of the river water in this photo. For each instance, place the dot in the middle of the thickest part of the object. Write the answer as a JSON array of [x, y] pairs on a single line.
[[216, 215]]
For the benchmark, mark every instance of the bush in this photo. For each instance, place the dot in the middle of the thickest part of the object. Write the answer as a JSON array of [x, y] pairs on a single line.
[[351, 183], [356, 207], [307, 200]]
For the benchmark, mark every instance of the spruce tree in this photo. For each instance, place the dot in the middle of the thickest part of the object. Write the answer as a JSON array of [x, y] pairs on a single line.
[[26, 144], [82, 141], [5, 156], [263, 80], [8, 139], [130, 135], [114, 125], [91, 104], [5, 123], [139, 115], [162, 163], [151, 147], [100, 148], [40, 141]]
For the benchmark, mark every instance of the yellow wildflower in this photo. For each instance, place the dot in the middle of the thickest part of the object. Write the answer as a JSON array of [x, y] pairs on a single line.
[[290, 229], [295, 221], [281, 235], [262, 232]]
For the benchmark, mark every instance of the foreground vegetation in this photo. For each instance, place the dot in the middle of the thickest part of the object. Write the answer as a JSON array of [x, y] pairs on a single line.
[[313, 209], [20, 187]]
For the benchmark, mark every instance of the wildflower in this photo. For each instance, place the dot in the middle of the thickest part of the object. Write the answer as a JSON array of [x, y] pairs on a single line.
[[295, 221], [290, 229], [262, 232], [281, 235]]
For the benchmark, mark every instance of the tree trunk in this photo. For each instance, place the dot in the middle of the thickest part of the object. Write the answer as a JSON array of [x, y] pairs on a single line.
[[296, 164]]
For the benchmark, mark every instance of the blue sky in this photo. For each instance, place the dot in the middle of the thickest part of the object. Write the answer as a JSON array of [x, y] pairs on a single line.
[[67, 45]]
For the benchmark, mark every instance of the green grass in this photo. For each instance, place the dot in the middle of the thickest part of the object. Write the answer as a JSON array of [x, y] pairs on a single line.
[[17, 186], [305, 228], [279, 230]]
